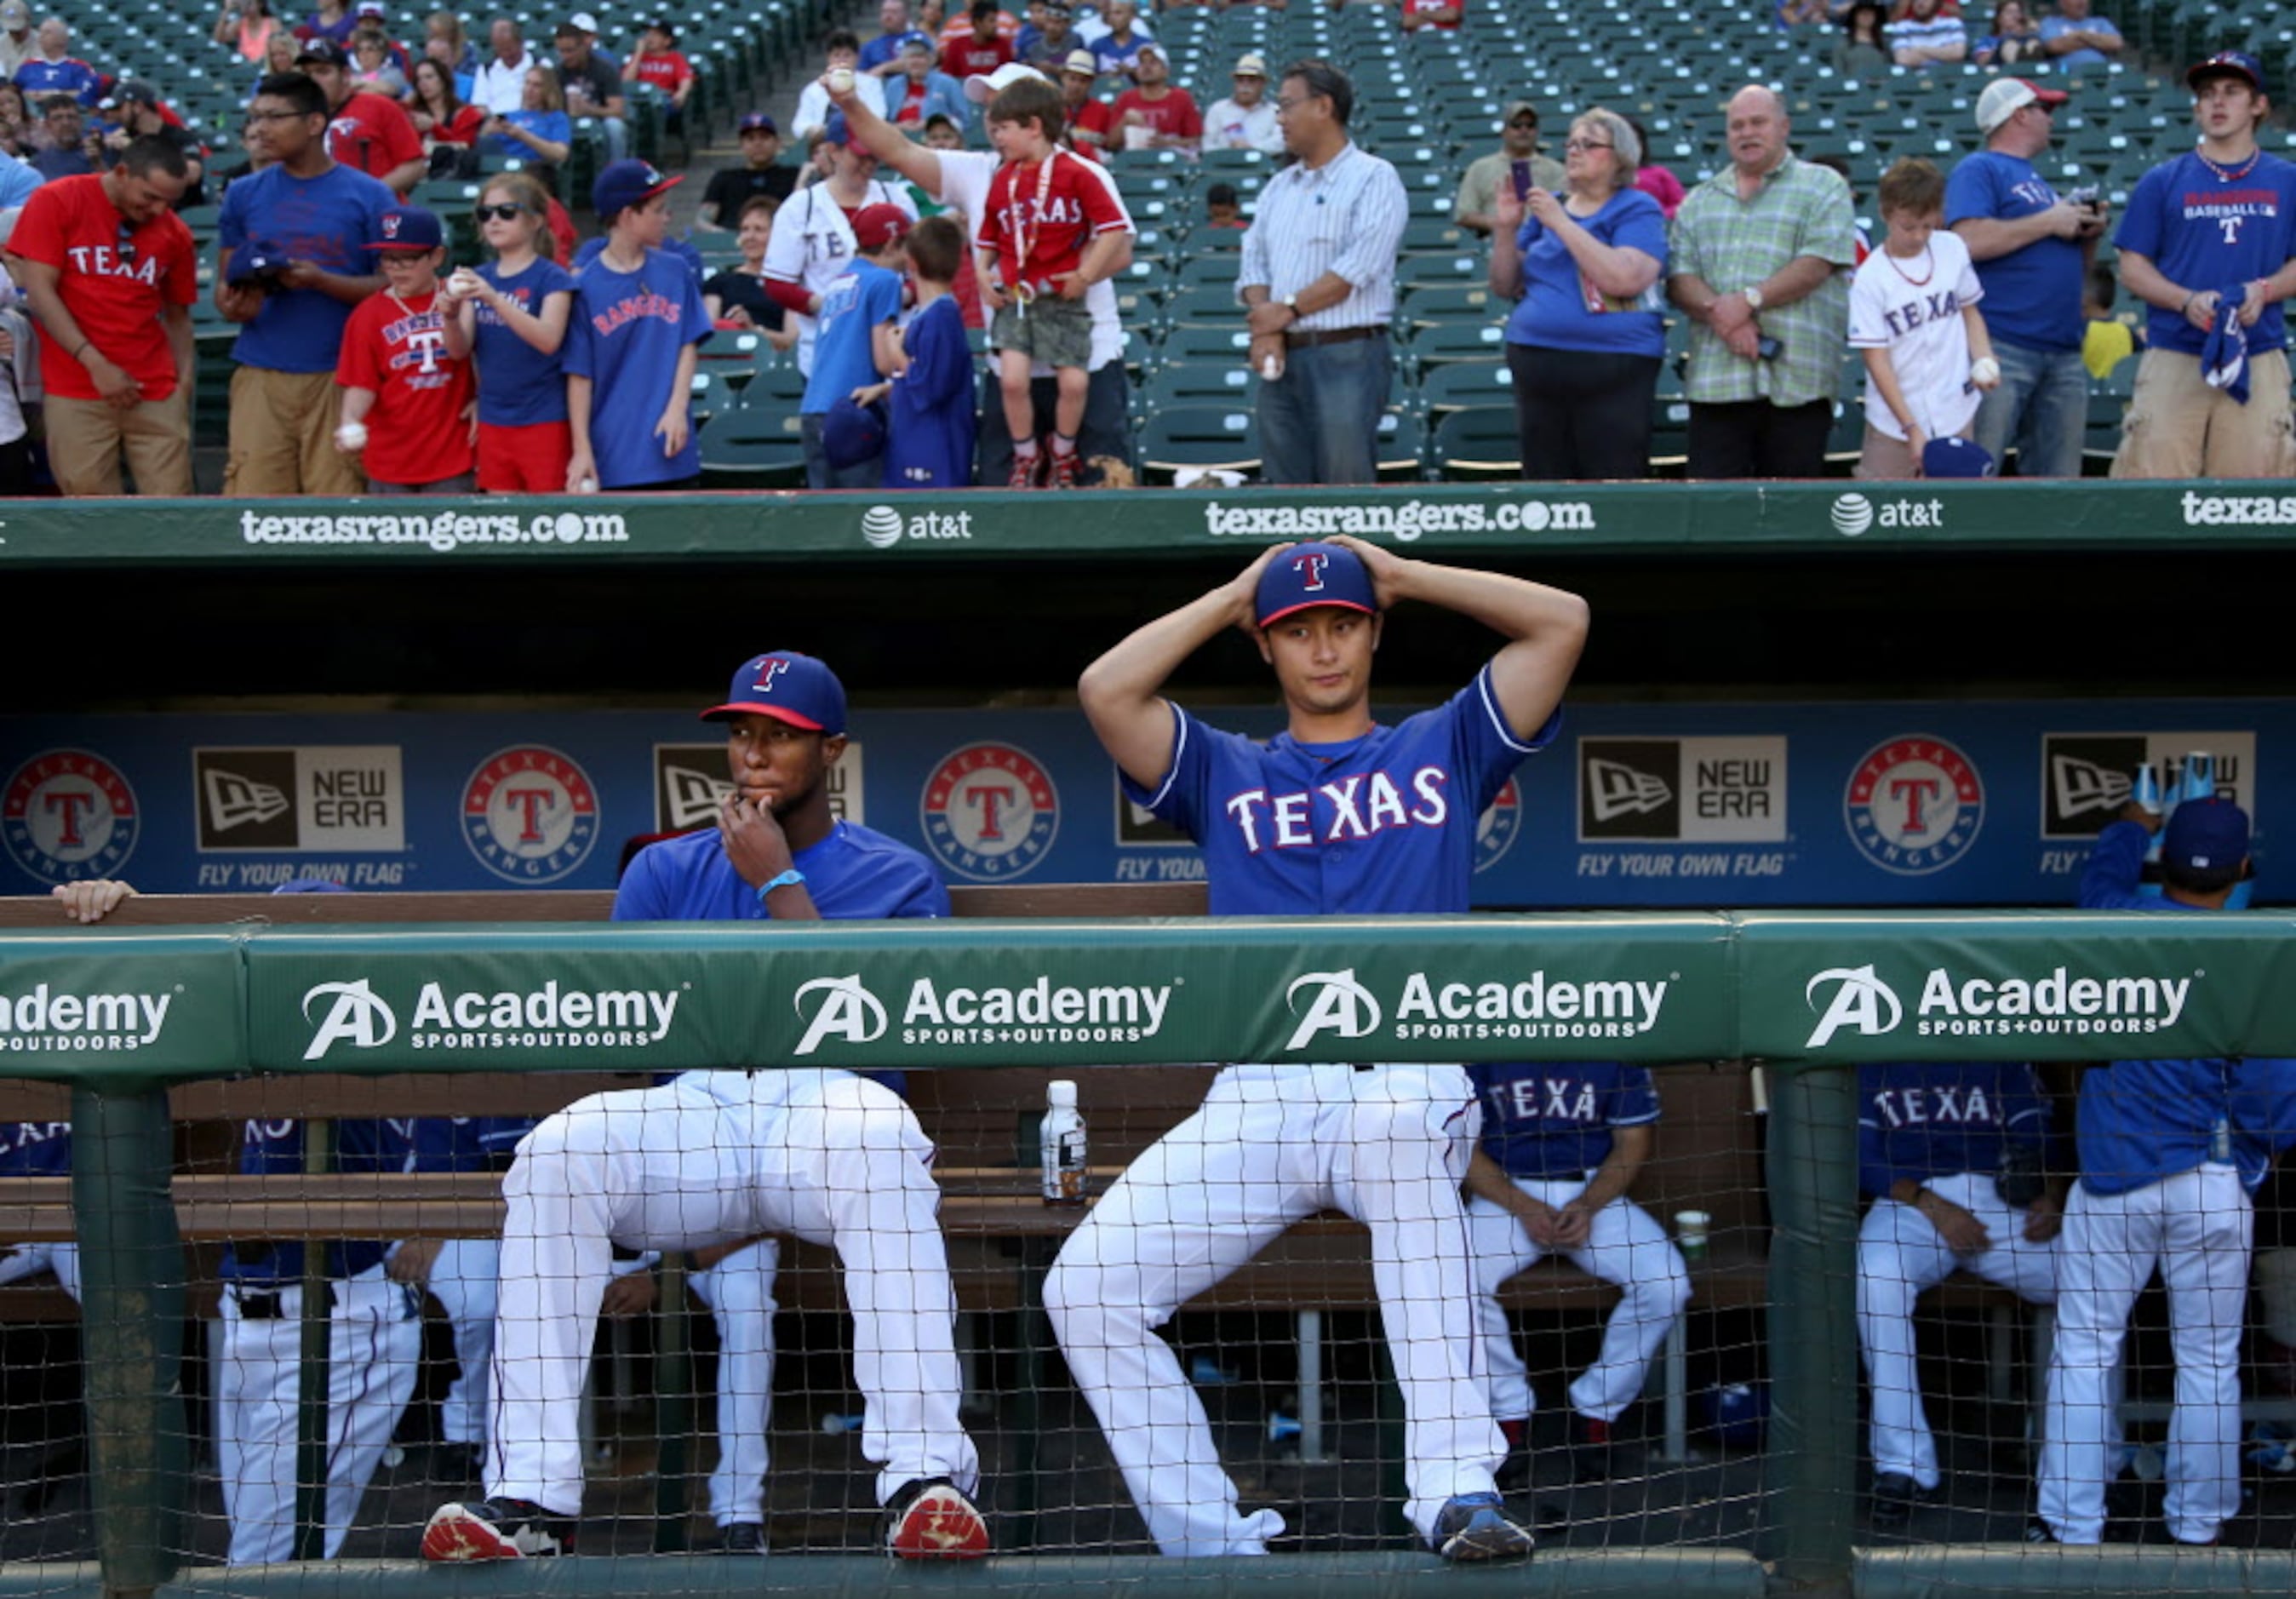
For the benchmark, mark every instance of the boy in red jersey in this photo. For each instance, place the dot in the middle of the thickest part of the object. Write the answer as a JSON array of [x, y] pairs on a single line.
[[406, 369], [1052, 230]]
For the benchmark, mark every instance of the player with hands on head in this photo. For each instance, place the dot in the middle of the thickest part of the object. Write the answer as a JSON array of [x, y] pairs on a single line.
[[721, 1156], [1338, 815], [1563, 1143], [1953, 1155]]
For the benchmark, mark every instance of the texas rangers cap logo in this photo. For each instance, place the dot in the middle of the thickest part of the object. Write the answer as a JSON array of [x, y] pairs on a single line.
[[990, 812], [391, 221], [1497, 827], [66, 815], [1914, 805], [529, 814], [1310, 568]]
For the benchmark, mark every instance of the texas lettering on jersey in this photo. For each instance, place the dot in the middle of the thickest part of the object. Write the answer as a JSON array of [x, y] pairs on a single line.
[[1354, 807], [104, 260], [1941, 1104], [1919, 309], [1566, 1098]]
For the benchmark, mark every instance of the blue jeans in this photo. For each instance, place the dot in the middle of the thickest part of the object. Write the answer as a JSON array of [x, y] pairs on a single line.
[[2042, 407], [1319, 421]]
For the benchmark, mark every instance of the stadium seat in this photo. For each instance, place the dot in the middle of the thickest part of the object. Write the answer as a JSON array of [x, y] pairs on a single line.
[[1477, 443], [1459, 384], [1225, 438], [1195, 383], [754, 446]]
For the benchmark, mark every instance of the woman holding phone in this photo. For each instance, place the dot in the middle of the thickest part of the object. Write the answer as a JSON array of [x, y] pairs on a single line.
[[1588, 266]]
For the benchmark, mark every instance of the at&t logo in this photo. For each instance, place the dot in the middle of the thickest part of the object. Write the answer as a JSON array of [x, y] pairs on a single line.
[[359, 1017], [529, 814], [1861, 1000], [1339, 1005], [1914, 805], [67, 814], [882, 526], [990, 812]]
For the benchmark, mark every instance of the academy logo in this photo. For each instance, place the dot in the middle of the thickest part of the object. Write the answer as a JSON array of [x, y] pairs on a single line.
[[1339, 1006], [67, 814], [935, 1013], [529, 814], [1913, 805], [1683, 790], [300, 801], [547, 1017], [846, 1009], [990, 812], [2086, 777], [1858, 1000], [1497, 828], [43, 1021]]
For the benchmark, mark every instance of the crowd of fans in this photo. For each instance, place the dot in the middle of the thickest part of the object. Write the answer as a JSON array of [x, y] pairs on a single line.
[[1753, 285]]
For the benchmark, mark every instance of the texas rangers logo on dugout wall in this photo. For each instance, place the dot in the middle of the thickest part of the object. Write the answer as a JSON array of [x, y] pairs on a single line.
[[1497, 827], [529, 814], [990, 812], [67, 814], [1915, 804]]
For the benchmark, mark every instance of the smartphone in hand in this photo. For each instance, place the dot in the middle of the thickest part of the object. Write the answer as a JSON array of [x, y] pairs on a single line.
[[1520, 171]]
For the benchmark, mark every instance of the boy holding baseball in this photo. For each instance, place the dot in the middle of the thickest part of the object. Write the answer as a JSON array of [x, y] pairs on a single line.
[[406, 383]]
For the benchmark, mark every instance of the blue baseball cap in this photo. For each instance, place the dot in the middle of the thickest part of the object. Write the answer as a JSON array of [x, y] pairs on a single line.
[[1314, 574], [2227, 63], [625, 184], [915, 41], [2206, 836], [835, 129], [262, 260], [788, 687], [407, 227], [1952, 456], [851, 432]]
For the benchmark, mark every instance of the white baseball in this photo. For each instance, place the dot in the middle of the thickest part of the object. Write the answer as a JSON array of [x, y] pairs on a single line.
[[841, 80], [586, 485], [351, 438]]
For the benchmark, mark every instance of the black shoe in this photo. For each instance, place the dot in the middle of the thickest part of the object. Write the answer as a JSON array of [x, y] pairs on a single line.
[[742, 1537], [495, 1529], [1895, 1496], [2036, 1532], [455, 1465], [1593, 1457], [1476, 1526]]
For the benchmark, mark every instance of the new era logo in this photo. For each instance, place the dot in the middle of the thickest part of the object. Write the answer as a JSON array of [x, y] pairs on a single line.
[[691, 799], [1614, 789], [234, 800], [2080, 786]]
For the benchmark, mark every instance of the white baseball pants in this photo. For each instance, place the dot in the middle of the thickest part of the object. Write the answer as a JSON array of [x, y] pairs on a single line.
[[1900, 1256], [824, 1155], [22, 1260], [1270, 1145], [373, 1347], [1624, 1247], [2196, 1228], [739, 1290]]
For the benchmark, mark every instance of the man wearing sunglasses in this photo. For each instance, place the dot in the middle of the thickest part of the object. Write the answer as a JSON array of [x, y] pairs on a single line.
[[1478, 188]]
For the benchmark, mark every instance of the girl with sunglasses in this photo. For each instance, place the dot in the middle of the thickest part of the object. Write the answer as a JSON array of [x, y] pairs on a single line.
[[514, 312]]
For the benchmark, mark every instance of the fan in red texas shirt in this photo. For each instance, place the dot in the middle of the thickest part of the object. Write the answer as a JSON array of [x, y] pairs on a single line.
[[364, 131], [658, 61], [406, 369], [109, 269], [980, 43], [1158, 114]]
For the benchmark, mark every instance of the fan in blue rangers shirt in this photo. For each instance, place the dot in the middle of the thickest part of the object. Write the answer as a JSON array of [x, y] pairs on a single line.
[[718, 1157], [2170, 1150], [1935, 1139], [374, 1346], [1562, 1142]]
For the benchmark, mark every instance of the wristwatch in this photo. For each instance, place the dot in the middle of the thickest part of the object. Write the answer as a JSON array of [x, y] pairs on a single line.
[[1290, 302], [1753, 293]]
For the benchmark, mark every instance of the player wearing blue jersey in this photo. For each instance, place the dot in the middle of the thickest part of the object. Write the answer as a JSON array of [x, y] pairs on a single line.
[[1935, 1139], [374, 1346], [2169, 1151], [38, 1149], [2209, 243], [1338, 814], [1562, 1142], [720, 1157]]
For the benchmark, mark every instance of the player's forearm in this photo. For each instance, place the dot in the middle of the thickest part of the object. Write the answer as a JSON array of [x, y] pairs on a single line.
[[1630, 1151], [1134, 673], [578, 412], [2149, 284], [1487, 1179]]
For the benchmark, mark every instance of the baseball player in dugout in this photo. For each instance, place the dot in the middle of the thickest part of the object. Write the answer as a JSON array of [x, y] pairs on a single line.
[[1338, 815], [2170, 1153], [718, 1157]]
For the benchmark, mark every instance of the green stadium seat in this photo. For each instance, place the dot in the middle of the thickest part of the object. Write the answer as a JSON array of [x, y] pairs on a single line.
[[1458, 384], [1223, 438], [1477, 443], [754, 446]]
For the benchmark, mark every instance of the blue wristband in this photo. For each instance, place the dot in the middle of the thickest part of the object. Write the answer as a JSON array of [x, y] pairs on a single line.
[[791, 879]]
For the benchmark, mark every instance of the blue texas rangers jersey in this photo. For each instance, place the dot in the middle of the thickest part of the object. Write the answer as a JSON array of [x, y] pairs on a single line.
[[1381, 824], [1930, 1118], [35, 1149], [2206, 229], [1553, 1118], [855, 873], [2143, 1121], [275, 1147], [466, 1143]]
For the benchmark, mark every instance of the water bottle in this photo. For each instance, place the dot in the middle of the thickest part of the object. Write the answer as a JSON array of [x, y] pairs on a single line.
[[1061, 1141], [2200, 777], [2148, 788]]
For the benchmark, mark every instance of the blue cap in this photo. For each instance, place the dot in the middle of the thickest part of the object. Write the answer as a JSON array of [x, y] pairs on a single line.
[[852, 433], [2228, 63], [835, 129], [407, 227], [1956, 457], [788, 687], [2206, 835], [1314, 574], [263, 258], [625, 184], [915, 41]]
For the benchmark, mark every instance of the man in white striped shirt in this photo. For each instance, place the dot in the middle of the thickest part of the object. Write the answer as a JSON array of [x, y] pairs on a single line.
[[1319, 277]]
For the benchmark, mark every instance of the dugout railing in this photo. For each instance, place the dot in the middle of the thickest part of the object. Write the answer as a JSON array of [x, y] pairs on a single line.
[[121, 1014]]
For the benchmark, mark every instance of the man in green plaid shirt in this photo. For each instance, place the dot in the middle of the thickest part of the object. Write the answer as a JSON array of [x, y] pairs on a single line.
[[1761, 253]]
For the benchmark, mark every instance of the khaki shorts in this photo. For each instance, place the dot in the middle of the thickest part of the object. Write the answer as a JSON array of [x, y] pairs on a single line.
[[87, 439], [282, 435], [1882, 459], [2178, 427], [1052, 330]]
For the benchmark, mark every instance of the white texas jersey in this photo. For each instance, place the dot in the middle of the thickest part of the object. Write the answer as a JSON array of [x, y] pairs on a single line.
[[813, 246]]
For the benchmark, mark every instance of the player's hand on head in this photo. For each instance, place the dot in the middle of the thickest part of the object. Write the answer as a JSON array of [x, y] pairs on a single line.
[[91, 899], [1245, 587], [1386, 568]]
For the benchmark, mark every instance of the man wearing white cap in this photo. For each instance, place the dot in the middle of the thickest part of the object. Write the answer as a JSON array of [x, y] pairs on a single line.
[[1246, 119], [1157, 113], [1091, 122], [2032, 247]]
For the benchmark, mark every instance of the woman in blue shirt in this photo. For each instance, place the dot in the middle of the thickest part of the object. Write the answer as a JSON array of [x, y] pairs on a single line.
[[1585, 342]]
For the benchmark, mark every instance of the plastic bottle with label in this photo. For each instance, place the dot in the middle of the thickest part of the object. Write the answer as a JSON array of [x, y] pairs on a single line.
[[1061, 1139]]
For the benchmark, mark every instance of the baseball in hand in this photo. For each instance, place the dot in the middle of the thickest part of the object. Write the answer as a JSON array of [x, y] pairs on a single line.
[[1985, 372], [351, 438], [586, 485], [841, 80], [463, 283]]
